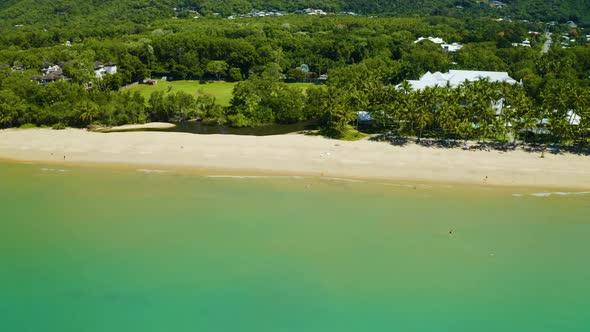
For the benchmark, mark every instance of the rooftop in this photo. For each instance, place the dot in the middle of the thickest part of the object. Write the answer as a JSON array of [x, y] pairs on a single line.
[[435, 40], [455, 78]]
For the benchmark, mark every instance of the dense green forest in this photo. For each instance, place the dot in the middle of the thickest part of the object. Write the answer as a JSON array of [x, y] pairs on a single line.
[[363, 58], [55, 12]]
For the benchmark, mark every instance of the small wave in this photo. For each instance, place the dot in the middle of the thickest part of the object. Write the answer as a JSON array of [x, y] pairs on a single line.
[[45, 169], [560, 193], [142, 170], [517, 195], [255, 177], [341, 179], [396, 185], [541, 194]]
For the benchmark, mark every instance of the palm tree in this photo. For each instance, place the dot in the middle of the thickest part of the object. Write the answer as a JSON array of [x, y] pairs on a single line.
[[421, 115], [426, 100], [556, 101], [449, 110], [88, 111], [382, 103], [406, 87], [579, 101], [407, 104], [10, 108], [330, 101], [6, 118], [519, 110], [357, 101], [456, 109], [437, 96], [528, 122]]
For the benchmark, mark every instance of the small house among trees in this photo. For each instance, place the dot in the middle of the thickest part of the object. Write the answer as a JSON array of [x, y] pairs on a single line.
[[51, 73], [101, 69]]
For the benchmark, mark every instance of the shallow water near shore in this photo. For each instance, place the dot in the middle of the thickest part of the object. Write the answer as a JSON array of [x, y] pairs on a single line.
[[85, 249]]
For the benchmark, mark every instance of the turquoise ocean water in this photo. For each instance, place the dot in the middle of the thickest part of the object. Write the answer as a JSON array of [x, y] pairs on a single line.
[[86, 249]]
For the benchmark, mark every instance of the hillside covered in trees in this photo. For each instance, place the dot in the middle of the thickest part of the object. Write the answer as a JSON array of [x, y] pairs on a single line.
[[56, 12]]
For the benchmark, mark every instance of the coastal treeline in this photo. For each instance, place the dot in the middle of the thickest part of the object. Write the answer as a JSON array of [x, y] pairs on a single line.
[[560, 112], [359, 63]]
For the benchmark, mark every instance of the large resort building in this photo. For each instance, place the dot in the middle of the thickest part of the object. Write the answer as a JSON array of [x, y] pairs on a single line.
[[454, 78]]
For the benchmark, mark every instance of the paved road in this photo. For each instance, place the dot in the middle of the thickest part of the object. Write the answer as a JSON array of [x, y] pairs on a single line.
[[548, 42]]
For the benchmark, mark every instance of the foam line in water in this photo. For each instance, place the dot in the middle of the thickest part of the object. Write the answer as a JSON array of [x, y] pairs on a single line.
[[340, 179], [541, 194], [45, 169], [143, 170], [397, 185], [255, 177], [560, 193]]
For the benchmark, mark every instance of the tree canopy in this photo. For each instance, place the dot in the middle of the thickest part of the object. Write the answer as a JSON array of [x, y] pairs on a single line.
[[359, 63]]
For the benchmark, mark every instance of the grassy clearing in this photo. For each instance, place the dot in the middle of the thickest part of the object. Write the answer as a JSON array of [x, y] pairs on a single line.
[[353, 135], [303, 86], [350, 134], [222, 91]]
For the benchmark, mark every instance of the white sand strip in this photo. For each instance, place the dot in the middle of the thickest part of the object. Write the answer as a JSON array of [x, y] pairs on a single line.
[[298, 155], [132, 127]]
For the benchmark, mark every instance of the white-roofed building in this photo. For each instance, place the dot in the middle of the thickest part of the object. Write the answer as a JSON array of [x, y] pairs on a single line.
[[435, 40], [454, 78], [101, 69], [573, 118], [525, 43], [454, 47]]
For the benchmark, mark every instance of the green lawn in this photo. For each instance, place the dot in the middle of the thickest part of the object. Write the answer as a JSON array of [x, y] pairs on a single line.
[[303, 86], [222, 91], [350, 134]]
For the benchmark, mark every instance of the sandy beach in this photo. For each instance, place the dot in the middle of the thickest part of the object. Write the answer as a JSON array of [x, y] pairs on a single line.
[[135, 127], [295, 154]]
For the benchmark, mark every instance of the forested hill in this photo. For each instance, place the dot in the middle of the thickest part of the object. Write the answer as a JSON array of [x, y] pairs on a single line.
[[52, 12], [546, 10], [57, 12]]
